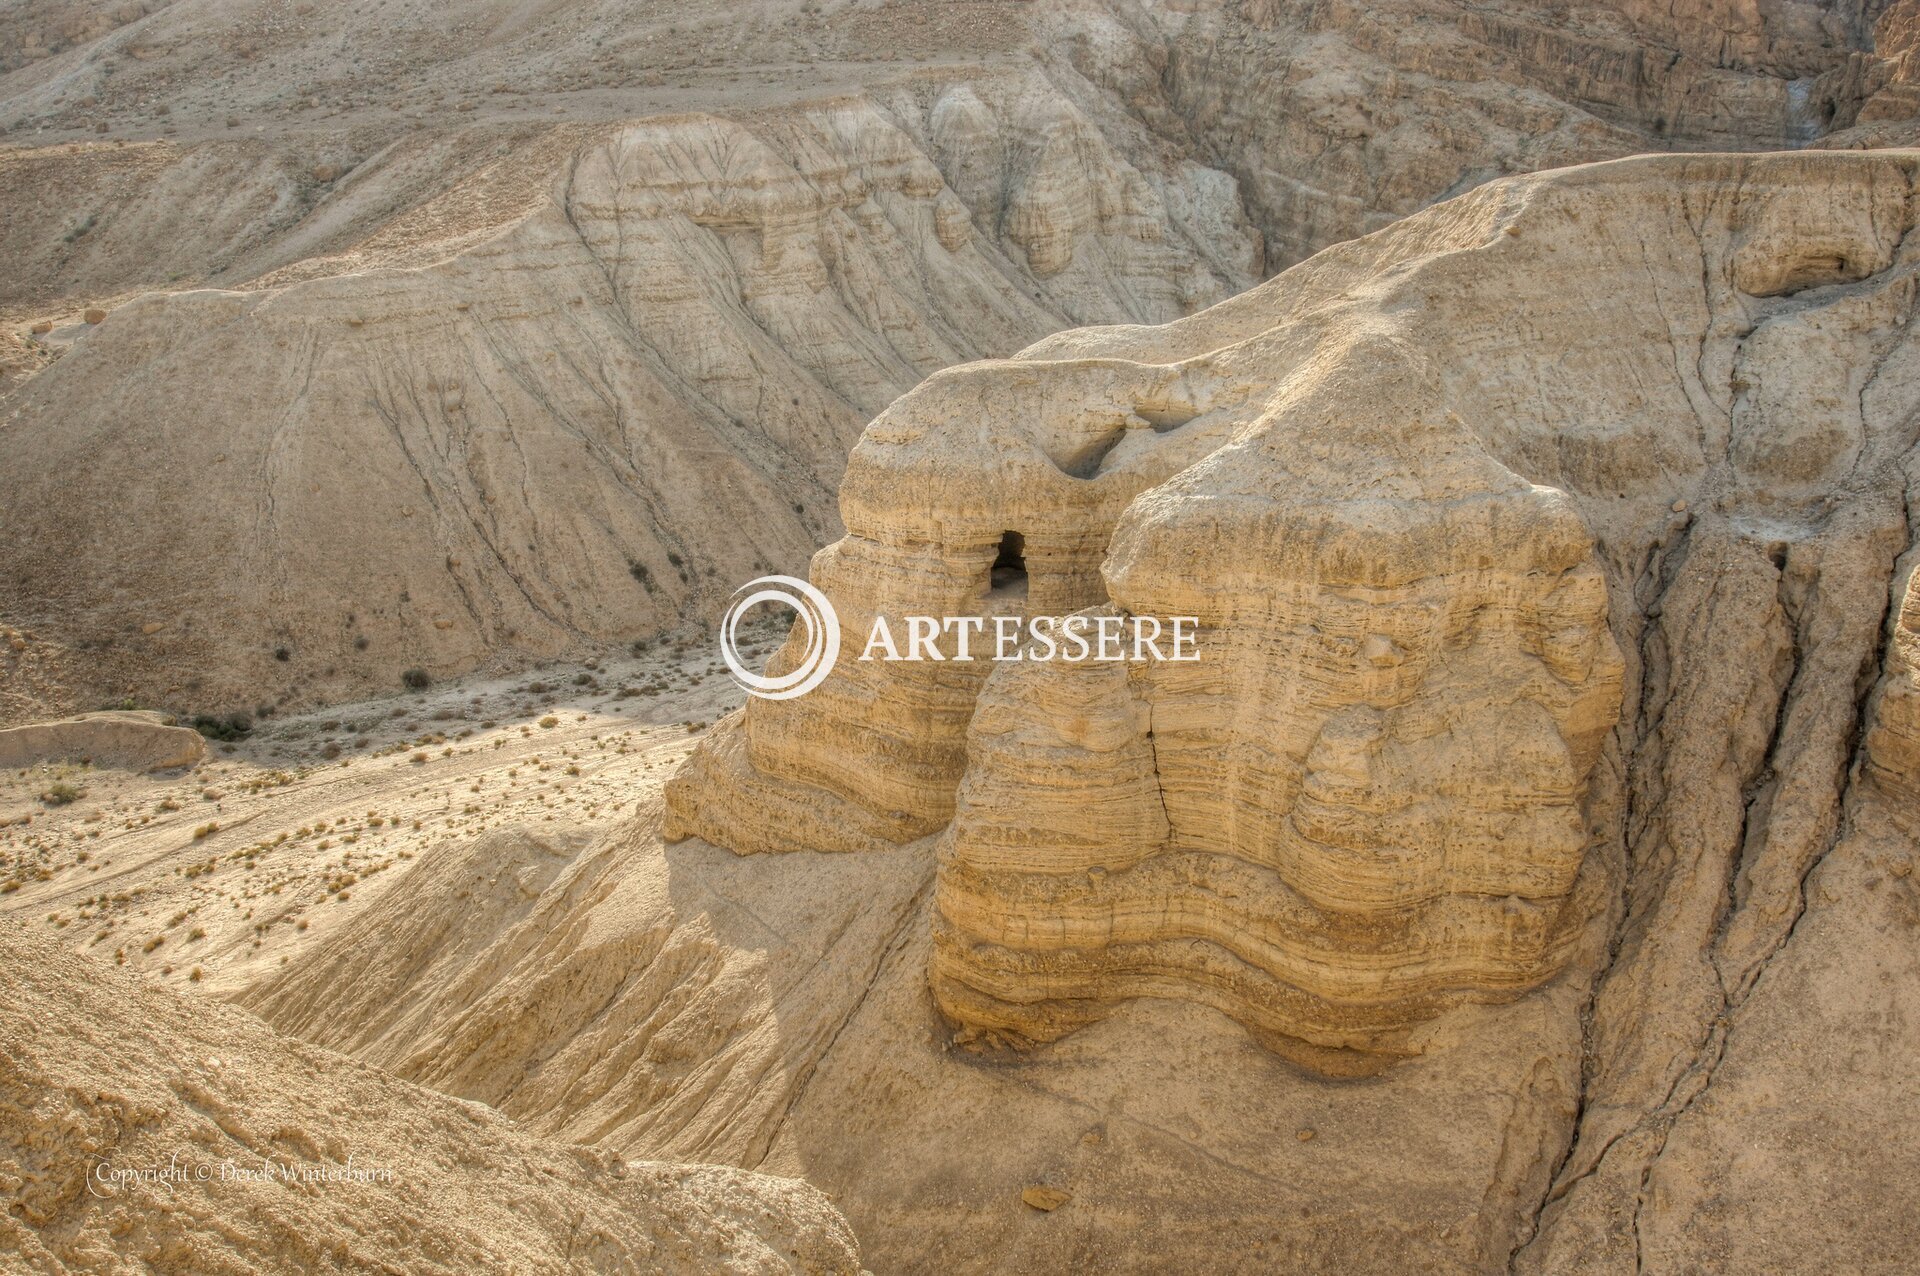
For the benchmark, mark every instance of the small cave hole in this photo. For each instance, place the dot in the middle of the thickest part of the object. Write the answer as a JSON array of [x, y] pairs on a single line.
[[1010, 563]]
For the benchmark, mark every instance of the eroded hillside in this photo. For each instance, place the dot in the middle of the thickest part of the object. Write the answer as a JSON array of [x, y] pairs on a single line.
[[452, 337], [315, 1163], [1075, 1001]]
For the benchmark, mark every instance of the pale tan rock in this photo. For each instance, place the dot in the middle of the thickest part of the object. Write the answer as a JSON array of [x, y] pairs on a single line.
[[771, 1012], [444, 1186], [131, 741], [1045, 1199], [1892, 748], [660, 368], [1369, 799]]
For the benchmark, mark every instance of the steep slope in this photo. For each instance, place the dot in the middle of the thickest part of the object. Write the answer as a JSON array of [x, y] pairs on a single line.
[[143, 1131], [581, 430], [576, 375], [1698, 371]]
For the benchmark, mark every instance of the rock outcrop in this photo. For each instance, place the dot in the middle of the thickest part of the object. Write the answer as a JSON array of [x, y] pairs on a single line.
[[1892, 747], [576, 375], [129, 740], [1368, 796], [143, 1130], [1683, 390], [581, 430]]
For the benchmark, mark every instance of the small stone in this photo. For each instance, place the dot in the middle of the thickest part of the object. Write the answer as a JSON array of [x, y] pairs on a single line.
[[95, 315], [1045, 1199], [1679, 507], [325, 172], [1304, 1135], [1378, 650], [153, 627], [42, 327]]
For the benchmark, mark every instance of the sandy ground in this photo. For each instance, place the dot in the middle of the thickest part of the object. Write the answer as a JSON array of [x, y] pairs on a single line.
[[214, 875]]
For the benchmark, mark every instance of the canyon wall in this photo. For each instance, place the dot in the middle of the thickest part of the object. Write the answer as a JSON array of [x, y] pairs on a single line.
[[582, 429], [1381, 499], [1682, 392], [577, 373]]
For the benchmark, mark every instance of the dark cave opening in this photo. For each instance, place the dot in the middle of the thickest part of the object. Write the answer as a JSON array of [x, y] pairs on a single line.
[[1010, 563]]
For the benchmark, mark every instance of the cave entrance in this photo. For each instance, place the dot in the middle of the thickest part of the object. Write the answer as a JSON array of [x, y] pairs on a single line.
[[1010, 563]]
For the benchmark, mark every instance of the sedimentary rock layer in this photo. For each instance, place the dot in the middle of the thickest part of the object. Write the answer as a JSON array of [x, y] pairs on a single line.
[[582, 429], [141, 1130], [1408, 490], [1701, 369]]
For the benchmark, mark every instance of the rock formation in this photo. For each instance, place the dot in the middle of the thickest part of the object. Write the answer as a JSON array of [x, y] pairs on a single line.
[[141, 1130], [1367, 797], [1683, 390], [576, 377], [1549, 758], [131, 740], [581, 430]]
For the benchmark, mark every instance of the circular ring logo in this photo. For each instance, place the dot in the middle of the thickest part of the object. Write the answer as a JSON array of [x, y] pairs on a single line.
[[823, 636]]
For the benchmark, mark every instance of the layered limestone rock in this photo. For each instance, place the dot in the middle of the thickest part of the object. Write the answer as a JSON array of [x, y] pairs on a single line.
[[1363, 797], [582, 429], [1368, 797], [578, 375], [1684, 388]]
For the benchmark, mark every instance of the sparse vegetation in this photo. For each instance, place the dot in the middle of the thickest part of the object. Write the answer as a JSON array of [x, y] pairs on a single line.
[[62, 793], [416, 679], [224, 728]]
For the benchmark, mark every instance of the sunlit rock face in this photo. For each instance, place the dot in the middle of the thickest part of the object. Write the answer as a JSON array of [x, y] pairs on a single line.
[[1362, 798], [1427, 498]]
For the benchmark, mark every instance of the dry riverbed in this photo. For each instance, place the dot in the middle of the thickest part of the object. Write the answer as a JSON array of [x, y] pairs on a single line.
[[214, 875]]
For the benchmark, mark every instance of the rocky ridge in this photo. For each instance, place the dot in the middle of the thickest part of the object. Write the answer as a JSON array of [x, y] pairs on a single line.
[[1733, 932], [312, 1162], [625, 289]]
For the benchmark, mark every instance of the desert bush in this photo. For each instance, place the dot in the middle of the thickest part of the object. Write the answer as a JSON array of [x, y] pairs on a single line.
[[61, 792], [416, 679], [223, 727]]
